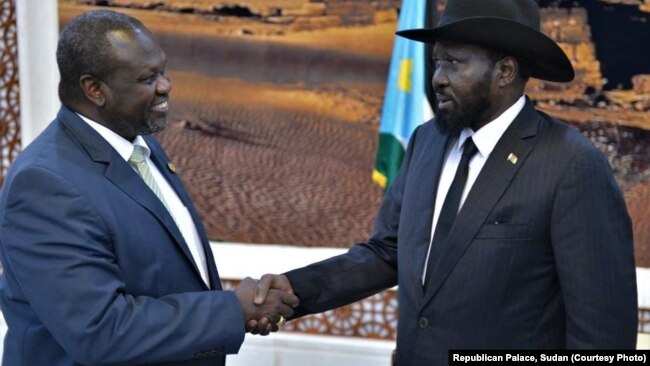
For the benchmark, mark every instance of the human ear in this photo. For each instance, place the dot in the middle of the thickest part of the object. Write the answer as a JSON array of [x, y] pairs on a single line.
[[92, 89], [508, 68]]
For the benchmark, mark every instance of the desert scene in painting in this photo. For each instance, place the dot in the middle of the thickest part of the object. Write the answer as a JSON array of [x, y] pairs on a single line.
[[275, 108]]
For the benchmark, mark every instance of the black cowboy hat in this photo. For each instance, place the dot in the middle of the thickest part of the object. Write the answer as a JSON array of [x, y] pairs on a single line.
[[511, 26]]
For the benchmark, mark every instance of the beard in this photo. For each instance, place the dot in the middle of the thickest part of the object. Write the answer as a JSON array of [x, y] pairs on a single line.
[[152, 127], [466, 113], [129, 131]]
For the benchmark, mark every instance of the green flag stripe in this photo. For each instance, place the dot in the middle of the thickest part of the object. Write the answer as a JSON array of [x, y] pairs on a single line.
[[389, 158]]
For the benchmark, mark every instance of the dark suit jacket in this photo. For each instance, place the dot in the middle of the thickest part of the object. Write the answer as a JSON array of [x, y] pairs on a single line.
[[539, 257], [95, 269]]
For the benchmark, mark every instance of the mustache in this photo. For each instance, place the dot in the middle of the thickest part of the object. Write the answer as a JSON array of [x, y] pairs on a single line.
[[440, 95]]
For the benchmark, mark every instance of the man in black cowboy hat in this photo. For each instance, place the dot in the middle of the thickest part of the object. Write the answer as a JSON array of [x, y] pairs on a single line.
[[504, 228]]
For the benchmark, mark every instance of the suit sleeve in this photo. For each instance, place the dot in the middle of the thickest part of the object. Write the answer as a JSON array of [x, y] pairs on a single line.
[[58, 250], [366, 268], [591, 234]]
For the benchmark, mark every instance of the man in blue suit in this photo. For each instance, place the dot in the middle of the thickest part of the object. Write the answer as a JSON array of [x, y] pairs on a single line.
[[105, 258], [504, 228]]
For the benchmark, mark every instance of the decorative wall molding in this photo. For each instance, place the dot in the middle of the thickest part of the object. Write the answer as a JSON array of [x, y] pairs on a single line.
[[644, 320], [9, 87]]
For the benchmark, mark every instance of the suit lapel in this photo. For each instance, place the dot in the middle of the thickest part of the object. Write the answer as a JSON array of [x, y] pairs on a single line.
[[429, 164], [495, 177], [126, 179], [162, 162]]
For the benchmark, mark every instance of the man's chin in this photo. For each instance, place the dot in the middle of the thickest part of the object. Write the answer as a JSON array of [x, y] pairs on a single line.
[[447, 123], [157, 125]]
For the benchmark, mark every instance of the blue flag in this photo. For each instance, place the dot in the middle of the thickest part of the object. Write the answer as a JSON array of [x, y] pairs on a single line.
[[405, 103]]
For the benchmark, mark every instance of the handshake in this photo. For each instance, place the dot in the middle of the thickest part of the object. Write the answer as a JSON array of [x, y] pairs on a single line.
[[266, 303]]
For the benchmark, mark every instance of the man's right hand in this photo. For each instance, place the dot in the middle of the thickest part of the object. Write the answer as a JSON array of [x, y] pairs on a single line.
[[277, 303], [267, 284]]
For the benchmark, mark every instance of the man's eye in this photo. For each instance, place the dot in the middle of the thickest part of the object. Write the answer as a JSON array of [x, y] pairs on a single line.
[[438, 63]]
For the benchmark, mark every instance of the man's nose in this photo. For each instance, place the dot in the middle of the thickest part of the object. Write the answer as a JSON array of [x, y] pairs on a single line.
[[439, 78], [163, 85]]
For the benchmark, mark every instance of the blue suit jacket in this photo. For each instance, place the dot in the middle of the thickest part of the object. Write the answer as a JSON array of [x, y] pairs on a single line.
[[539, 257], [95, 269]]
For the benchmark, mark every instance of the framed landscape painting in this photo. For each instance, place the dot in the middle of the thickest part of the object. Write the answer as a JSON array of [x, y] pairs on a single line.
[[276, 105]]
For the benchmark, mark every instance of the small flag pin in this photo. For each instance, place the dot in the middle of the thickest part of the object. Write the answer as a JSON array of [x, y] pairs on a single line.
[[512, 158], [171, 167]]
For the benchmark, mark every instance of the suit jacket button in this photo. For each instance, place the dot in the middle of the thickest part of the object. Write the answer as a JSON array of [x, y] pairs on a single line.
[[424, 322]]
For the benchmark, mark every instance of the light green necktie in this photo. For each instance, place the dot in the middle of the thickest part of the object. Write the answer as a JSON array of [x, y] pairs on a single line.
[[138, 160]]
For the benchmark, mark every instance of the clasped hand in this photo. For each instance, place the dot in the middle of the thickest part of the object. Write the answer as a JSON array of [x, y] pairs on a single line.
[[265, 302]]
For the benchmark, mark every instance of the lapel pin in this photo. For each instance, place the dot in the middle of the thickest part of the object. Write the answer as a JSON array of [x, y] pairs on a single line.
[[171, 167], [512, 158]]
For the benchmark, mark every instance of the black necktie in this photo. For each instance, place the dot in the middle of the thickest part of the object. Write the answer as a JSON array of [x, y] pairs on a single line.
[[449, 209]]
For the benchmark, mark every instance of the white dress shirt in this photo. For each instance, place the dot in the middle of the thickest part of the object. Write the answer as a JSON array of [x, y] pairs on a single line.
[[485, 140], [179, 212]]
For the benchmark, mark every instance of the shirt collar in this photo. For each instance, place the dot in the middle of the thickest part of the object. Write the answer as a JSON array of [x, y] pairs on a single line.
[[487, 137], [123, 146]]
